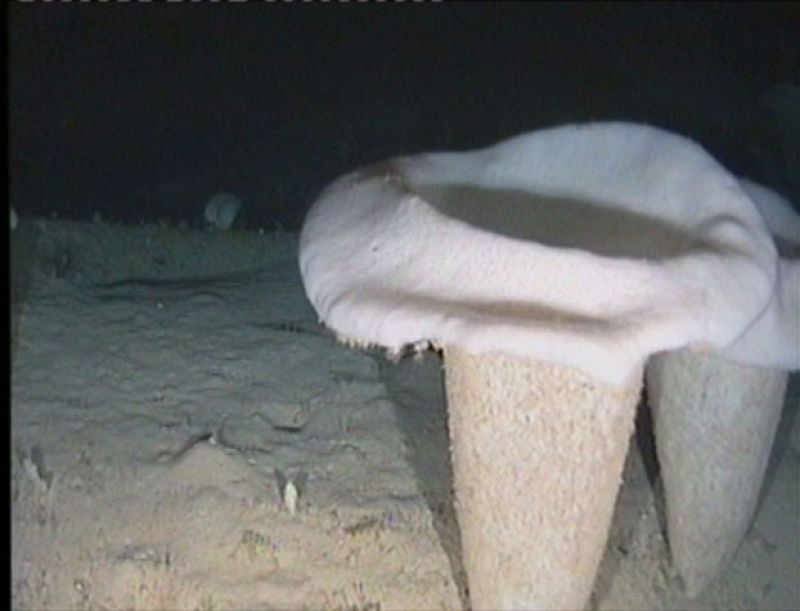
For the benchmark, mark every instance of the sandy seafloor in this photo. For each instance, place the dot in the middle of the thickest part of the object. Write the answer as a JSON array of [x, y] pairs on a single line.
[[167, 383]]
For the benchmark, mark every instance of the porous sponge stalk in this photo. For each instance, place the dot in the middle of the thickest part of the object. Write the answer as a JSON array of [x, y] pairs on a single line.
[[538, 451], [715, 422]]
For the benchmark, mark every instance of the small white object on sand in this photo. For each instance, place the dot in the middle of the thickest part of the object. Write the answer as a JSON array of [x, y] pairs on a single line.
[[290, 495]]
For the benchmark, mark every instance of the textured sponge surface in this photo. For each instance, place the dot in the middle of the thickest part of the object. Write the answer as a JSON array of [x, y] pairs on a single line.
[[585, 245]]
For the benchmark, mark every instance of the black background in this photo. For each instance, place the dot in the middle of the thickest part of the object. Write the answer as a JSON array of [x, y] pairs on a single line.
[[142, 111]]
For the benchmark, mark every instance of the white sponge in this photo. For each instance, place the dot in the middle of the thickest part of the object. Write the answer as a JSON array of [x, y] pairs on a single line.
[[591, 246], [221, 211]]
